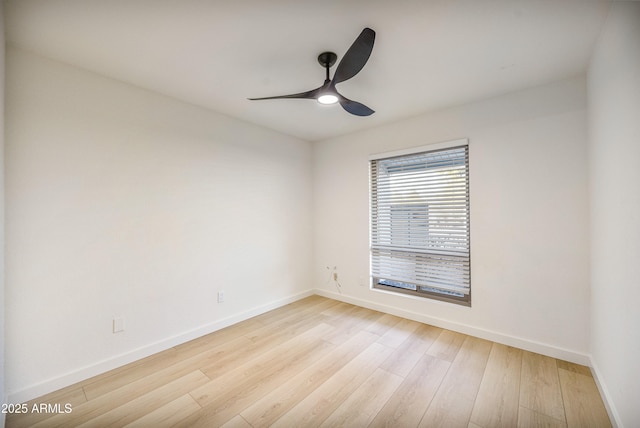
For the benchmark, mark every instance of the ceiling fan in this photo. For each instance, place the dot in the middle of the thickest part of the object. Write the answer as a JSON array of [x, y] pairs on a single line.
[[350, 65]]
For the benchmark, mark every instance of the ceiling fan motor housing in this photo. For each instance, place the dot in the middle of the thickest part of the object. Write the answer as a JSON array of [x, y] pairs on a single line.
[[327, 59]]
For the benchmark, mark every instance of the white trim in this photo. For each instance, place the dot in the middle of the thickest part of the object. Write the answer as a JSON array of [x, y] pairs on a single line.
[[425, 148], [614, 417], [59, 382], [103, 366], [495, 336]]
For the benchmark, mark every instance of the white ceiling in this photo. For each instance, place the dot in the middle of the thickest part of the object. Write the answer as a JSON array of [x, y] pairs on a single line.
[[428, 54]]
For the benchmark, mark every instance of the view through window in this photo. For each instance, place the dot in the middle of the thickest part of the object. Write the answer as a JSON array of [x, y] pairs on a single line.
[[420, 224]]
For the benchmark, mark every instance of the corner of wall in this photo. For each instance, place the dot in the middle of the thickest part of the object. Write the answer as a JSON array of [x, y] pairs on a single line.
[[84, 373], [613, 103], [604, 393]]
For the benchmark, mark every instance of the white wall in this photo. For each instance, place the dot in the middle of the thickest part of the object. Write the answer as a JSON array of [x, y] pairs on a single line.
[[122, 202], [614, 159], [529, 221]]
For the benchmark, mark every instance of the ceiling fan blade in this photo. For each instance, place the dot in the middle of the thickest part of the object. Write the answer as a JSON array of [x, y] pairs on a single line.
[[355, 107], [356, 57], [309, 94]]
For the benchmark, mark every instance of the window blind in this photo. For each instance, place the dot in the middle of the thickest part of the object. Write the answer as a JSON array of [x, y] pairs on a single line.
[[420, 221]]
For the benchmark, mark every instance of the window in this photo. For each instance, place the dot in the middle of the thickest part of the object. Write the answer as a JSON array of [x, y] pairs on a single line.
[[420, 223]]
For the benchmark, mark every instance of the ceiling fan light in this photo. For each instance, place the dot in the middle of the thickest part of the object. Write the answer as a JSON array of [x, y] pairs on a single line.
[[327, 99]]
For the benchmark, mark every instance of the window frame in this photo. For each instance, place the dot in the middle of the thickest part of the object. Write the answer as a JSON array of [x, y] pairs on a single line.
[[419, 291]]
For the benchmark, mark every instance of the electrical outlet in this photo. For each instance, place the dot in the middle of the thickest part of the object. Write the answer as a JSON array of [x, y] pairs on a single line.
[[220, 296], [118, 324]]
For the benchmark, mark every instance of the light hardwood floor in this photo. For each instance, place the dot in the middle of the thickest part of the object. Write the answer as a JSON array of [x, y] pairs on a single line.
[[320, 362]]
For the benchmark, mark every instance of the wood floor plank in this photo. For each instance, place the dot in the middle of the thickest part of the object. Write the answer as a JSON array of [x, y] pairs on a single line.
[[323, 401], [573, 367], [338, 310], [144, 404], [260, 342], [225, 357], [412, 398], [291, 319], [269, 408], [93, 410], [540, 385], [368, 399], [170, 369], [169, 414], [124, 375], [447, 345], [217, 338], [73, 395], [528, 418], [226, 396], [395, 336], [381, 325], [237, 422], [405, 357], [263, 366], [312, 304], [351, 323], [497, 401], [283, 329], [452, 405], [582, 402]]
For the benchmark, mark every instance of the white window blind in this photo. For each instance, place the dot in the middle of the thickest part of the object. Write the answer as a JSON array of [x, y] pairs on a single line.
[[420, 223]]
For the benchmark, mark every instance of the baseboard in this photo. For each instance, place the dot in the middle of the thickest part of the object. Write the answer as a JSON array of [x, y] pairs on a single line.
[[604, 393], [516, 342], [100, 367]]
